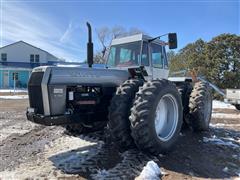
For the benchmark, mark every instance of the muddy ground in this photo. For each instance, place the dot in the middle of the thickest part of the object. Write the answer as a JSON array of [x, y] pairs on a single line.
[[30, 151]]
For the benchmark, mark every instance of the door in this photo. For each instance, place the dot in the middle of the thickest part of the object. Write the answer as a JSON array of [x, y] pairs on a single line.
[[5, 79], [145, 61], [157, 58]]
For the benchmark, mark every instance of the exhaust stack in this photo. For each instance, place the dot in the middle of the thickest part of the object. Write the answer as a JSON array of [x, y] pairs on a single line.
[[89, 46]]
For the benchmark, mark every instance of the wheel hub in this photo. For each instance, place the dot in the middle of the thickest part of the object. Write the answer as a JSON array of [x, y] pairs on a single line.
[[166, 117]]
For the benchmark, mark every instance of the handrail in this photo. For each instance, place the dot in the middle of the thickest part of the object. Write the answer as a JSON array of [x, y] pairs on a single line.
[[217, 89]]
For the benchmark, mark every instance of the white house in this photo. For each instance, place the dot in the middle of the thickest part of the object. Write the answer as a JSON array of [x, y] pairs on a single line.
[[25, 53], [17, 61]]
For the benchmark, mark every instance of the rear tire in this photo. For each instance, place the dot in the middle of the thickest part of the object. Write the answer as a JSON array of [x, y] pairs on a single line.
[[119, 111], [185, 91], [237, 106], [200, 107], [156, 116]]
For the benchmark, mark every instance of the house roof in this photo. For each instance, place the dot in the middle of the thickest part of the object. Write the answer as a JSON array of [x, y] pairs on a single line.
[[28, 45]]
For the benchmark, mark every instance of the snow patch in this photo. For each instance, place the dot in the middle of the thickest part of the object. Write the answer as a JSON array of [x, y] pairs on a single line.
[[12, 90], [101, 174], [11, 123], [130, 167], [14, 97], [218, 141], [225, 116], [223, 125], [150, 171], [9, 131], [222, 105]]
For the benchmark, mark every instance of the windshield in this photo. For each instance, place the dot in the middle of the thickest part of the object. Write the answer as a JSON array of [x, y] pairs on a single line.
[[124, 55]]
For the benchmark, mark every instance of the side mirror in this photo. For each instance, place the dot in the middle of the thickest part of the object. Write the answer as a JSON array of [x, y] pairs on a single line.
[[172, 40]]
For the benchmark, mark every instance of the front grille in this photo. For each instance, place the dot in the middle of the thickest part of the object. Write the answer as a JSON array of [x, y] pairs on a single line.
[[35, 92]]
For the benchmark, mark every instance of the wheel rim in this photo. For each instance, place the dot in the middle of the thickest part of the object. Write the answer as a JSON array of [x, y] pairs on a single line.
[[166, 117]]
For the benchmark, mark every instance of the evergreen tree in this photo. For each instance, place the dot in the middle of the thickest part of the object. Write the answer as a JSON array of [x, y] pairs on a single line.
[[218, 60]]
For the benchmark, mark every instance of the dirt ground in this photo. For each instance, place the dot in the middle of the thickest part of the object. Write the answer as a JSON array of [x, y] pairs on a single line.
[[31, 151]]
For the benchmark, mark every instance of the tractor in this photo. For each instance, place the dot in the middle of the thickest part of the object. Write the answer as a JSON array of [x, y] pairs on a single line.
[[132, 97]]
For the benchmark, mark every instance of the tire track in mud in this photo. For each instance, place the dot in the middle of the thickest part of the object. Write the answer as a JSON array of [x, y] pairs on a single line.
[[131, 162], [89, 159], [102, 160], [130, 167]]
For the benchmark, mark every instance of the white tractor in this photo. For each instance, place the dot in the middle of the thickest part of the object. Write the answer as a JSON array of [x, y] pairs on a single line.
[[132, 96]]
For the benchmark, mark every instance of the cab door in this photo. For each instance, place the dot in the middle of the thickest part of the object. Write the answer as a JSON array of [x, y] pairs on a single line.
[[158, 59], [145, 60]]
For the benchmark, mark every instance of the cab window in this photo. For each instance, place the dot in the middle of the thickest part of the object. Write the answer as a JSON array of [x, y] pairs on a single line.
[[124, 55], [111, 57], [157, 57]]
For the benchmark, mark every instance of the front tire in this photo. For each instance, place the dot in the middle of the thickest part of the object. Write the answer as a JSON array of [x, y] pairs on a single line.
[[156, 116], [119, 111]]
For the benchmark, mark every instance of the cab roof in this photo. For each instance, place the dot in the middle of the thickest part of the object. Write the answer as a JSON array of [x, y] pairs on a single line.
[[134, 38]]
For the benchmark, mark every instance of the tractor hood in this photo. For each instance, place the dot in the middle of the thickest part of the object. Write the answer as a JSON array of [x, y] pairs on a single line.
[[83, 76]]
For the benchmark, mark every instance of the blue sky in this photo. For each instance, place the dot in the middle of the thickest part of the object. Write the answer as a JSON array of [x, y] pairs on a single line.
[[59, 26]]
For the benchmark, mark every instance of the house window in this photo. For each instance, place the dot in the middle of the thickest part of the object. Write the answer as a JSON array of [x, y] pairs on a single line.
[[34, 58], [4, 56], [37, 58], [31, 58]]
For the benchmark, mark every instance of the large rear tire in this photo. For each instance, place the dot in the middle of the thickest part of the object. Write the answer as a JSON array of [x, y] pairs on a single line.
[[200, 107], [119, 111], [156, 116]]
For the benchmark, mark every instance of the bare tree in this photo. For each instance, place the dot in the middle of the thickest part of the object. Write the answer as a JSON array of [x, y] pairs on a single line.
[[104, 35], [118, 31], [99, 58]]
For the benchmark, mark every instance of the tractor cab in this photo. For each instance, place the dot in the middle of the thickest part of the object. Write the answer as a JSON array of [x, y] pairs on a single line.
[[141, 50]]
